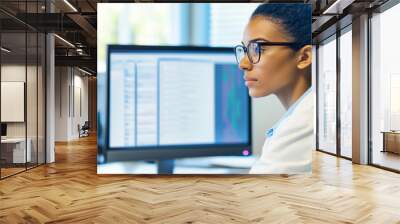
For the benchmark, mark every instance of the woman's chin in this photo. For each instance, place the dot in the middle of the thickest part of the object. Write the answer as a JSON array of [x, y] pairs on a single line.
[[253, 92]]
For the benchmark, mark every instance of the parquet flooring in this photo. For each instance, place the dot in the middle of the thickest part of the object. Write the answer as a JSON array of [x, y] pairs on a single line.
[[10, 171], [70, 191]]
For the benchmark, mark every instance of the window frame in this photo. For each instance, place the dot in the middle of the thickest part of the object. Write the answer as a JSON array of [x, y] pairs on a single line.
[[333, 37]]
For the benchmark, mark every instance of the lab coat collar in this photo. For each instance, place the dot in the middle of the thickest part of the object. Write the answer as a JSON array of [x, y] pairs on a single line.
[[270, 132]]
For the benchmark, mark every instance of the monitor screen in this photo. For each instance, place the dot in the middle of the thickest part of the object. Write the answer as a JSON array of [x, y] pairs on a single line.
[[176, 96]]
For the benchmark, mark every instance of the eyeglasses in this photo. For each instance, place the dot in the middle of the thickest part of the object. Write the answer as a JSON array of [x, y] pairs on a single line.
[[253, 50]]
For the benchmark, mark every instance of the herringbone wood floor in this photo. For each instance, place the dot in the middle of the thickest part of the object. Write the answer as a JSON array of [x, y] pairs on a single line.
[[70, 191]]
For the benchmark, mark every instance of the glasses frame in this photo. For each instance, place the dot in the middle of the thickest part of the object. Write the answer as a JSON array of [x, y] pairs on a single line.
[[260, 44]]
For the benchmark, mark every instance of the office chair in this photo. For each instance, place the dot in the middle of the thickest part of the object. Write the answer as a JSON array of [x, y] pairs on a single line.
[[84, 130]]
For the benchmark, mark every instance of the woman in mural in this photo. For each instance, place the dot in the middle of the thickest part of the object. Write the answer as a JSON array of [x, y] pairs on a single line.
[[276, 56]]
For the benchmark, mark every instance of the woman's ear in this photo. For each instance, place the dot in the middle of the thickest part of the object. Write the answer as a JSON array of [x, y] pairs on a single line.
[[304, 56]]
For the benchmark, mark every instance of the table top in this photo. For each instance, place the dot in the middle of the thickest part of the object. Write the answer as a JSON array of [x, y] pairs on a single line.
[[391, 132]]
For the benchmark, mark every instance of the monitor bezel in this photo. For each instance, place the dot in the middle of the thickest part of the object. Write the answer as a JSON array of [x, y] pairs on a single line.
[[166, 151]]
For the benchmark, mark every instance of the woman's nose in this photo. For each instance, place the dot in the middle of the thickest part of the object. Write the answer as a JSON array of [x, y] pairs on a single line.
[[245, 63]]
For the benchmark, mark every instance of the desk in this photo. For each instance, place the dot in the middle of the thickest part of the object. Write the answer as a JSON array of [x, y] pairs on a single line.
[[13, 150], [201, 165], [391, 141]]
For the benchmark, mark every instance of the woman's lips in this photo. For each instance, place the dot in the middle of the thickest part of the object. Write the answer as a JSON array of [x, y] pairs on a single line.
[[249, 81]]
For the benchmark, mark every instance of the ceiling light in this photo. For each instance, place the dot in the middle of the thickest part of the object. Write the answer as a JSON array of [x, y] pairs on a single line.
[[70, 5], [65, 41], [5, 50]]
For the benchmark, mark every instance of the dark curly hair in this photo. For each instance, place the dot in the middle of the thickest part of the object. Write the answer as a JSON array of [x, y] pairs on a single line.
[[294, 17]]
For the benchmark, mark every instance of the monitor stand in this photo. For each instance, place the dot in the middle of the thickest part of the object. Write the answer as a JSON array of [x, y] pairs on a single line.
[[165, 166]]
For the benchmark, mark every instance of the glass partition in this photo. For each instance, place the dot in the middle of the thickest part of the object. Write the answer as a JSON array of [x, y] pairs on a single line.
[[346, 92], [14, 152], [22, 90], [31, 99], [41, 91], [327, 95]]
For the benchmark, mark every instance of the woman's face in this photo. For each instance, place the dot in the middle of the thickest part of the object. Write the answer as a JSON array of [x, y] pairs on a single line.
[[276, 68]]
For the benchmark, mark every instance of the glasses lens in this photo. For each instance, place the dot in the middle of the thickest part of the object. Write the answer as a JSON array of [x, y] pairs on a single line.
[[239, 52], [254, 52]]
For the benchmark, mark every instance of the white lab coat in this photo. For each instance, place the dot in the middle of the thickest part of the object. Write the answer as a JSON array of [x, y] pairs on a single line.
[[289, 143]]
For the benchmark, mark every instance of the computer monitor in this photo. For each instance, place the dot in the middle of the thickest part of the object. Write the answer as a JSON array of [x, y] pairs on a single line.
[[3, 130], [168, 102]]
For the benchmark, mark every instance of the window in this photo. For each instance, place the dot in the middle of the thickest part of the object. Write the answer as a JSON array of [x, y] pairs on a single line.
[[394, 101], [144, 24], [227, 22], [346, 92], [327, 95], [385, 89]]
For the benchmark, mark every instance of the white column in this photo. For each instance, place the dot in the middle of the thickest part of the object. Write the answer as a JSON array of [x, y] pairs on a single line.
[[50, 92], [50, 99], [360, 90]]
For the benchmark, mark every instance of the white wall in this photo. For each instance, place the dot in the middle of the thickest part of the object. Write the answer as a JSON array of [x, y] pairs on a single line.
[[33, 126], [61, 103], [70, 83], [12, 73], [80, 83]]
